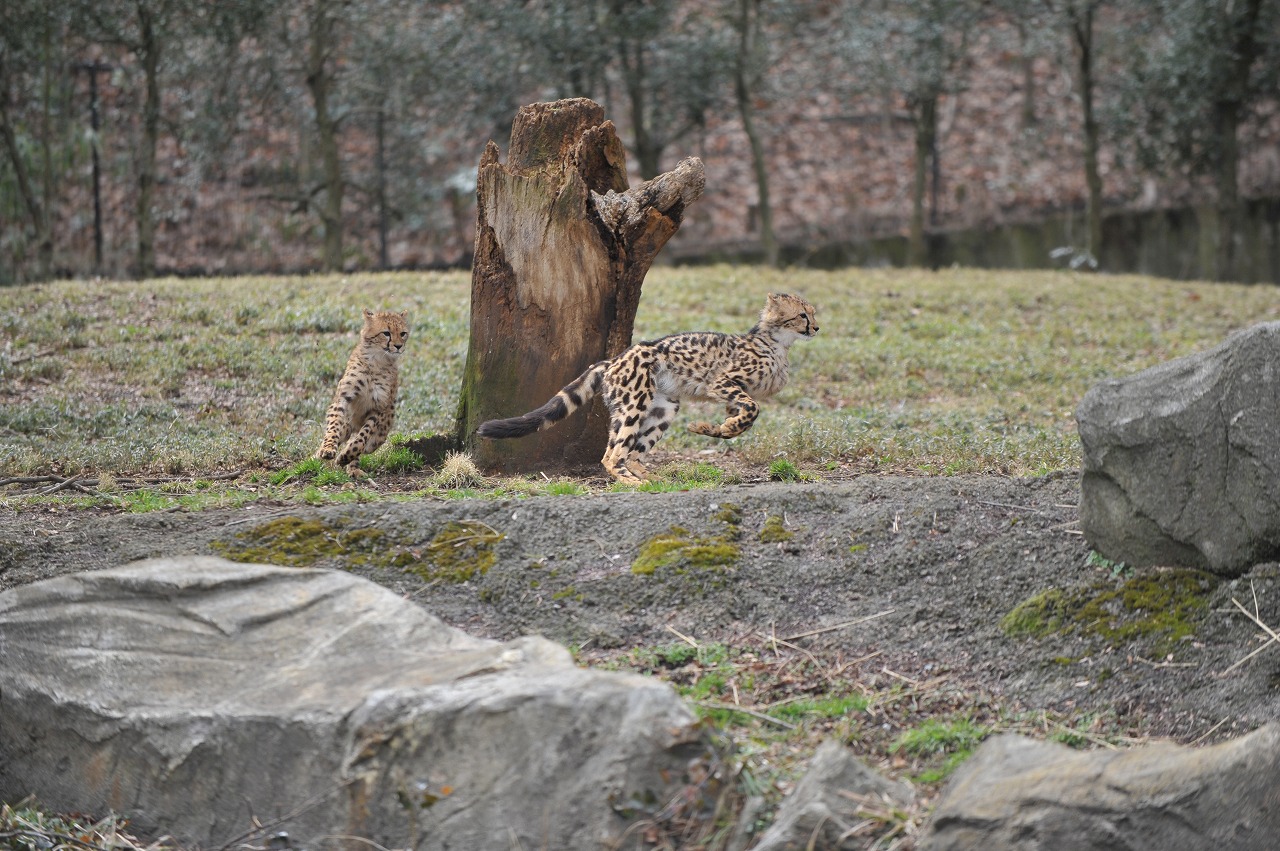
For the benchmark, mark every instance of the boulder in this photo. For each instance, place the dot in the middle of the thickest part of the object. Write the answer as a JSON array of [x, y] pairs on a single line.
[[1182, 461], [214, 701], [1016, 792], [838, 794]]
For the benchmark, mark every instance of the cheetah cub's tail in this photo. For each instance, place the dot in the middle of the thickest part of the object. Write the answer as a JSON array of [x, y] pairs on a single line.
[[574, 395]]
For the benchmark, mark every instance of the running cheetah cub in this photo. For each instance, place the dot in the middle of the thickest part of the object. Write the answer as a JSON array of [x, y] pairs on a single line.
[[364, 404], [644, 386]]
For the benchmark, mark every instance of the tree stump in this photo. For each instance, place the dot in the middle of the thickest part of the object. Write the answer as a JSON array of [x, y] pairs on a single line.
[[561, 250]]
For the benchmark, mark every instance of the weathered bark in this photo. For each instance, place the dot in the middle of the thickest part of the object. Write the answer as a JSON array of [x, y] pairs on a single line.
[[561, 250]]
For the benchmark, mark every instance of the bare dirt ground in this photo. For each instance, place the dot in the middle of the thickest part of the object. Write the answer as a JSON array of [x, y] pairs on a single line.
[[899, 578]]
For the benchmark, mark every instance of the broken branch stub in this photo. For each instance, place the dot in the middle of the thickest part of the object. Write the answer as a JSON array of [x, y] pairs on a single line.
[[561, 250]]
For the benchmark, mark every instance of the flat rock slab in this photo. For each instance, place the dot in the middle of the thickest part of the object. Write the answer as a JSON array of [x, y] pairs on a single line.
[[1182, 461], [1017, 792], [196, 695]]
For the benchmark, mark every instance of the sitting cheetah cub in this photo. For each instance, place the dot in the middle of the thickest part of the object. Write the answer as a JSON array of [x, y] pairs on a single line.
[[644, 386], [364, 404]]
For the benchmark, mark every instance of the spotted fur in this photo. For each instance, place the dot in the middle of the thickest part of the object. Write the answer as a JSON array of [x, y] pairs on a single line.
[[364, 405], [644, 386]]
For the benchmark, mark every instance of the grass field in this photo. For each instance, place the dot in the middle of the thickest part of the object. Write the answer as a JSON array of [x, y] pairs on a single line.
[[954, 371]]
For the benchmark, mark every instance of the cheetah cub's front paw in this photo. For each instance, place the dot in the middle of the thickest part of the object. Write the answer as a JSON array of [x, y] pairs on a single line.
[[705, 428], [326, 453]]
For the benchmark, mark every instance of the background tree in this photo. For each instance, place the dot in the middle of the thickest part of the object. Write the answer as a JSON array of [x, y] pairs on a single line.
[[151, 31], [560, 47], [1208, 65], [750, 64], [674, 63], [1078, 19], [35, 108], [915, 50]]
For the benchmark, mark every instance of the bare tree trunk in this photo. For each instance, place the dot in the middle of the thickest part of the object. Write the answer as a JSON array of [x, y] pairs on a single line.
[[149, 49], [648, 152], [36, 211], [1227, 114], [926, 121], [1028, 63], [380, 188], [561, 250], [318, 80], [1082, 42], [748, 44]]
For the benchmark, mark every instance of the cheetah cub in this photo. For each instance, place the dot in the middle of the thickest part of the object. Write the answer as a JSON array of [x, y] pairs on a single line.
[[364, 404], [644, 386]]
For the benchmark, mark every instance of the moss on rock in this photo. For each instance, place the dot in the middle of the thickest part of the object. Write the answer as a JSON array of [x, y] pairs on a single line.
[[775, 531], [299, 542], [679, 548], [460, 551], [1156, 609]]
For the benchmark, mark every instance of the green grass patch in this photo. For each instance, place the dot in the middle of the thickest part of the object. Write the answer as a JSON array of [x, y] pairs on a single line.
[[941, 745], [831, 706], [946, 372], [392, 458], [311, 470]]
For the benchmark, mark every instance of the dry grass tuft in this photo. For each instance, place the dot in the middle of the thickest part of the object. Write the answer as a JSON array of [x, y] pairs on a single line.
[[459, 471]]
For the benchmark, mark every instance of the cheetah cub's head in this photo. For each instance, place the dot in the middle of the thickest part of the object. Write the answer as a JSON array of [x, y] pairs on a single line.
[[385, 333], [789, 314]]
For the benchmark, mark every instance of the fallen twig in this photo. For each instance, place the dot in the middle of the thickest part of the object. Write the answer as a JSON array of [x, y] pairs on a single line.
[[839, 625], [1007, 505], [1275, 638], [1207, 733], [24, 358], [61, 485], [678, 634]]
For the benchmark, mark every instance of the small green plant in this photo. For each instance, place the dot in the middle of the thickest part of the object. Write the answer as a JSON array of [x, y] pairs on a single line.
[[782, 470], [25, 827], [1118, 569]]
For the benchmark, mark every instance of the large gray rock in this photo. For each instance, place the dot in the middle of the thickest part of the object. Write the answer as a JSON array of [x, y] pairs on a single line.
[[198, 694], [1182, 461], [1021, 793], [829, 803]]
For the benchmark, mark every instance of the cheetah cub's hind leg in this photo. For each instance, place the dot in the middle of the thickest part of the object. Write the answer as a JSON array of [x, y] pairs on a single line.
[[742, 410], [657, 420]]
